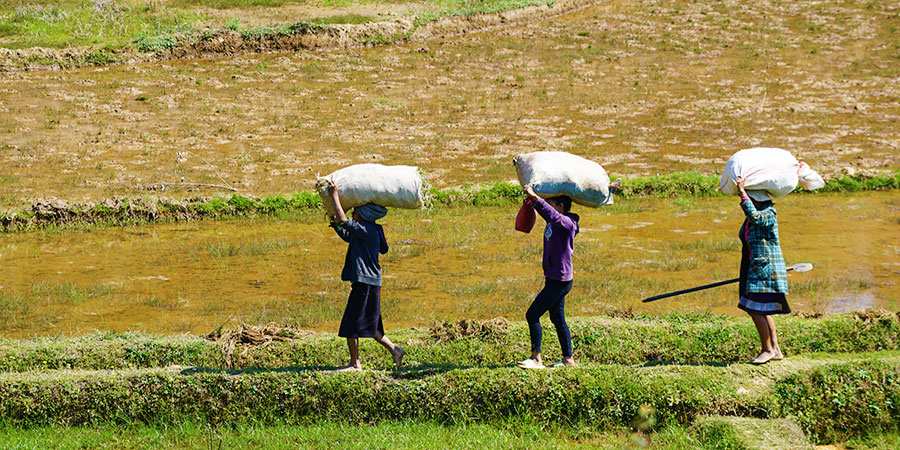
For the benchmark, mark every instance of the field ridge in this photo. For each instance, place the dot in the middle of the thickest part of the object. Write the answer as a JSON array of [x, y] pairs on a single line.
[[297, 36], [54, 212]]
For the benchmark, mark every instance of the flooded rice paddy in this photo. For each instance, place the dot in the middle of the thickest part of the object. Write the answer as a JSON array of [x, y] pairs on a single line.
[[444, 264]]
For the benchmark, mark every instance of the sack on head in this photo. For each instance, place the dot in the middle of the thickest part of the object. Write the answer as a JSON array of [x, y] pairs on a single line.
[[559, 173], [388, 186], [774, 171]]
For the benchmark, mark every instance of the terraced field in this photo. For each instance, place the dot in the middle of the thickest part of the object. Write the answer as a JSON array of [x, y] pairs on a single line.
[[167, 280]]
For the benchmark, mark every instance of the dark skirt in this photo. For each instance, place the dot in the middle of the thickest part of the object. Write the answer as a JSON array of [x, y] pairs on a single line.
[[764, 304], [362, 317]]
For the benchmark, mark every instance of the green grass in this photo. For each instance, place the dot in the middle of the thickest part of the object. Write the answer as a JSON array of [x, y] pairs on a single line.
[[220, 249], [675, 338], [68, 292], [16, 308], [70, 23], [513, 434], [325, 436]]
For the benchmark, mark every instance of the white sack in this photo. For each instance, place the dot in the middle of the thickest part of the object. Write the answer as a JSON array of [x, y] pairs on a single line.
[[561, 173], [388, 186], [771, 170]]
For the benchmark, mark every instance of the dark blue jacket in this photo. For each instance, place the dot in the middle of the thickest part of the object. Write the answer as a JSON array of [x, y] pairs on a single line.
[[366, 241]]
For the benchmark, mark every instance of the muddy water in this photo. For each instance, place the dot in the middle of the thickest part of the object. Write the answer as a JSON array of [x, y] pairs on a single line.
[[642, 88], [450, 263]]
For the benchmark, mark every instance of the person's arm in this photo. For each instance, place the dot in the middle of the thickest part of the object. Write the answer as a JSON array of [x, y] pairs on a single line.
[[549, 213], [382, 239], [766, 218], [339, 216]]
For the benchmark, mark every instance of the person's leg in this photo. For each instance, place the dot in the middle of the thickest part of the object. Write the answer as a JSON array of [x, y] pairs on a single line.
[[762, 327], [538, 307], [353, 346], [558, 317], [396, 352], [350, 325], [776, 349]]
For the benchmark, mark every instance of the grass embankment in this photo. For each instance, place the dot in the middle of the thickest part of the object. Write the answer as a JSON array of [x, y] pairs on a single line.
[[460, 374], [112, 31], [128, 211], [832, 401]]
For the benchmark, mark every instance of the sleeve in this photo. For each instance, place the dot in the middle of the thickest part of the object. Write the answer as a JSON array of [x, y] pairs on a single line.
[[339, 229], [763, 218], [553, 216], [383, 241]]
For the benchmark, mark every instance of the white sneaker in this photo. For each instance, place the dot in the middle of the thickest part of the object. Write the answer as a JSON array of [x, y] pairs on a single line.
[[530, 364]]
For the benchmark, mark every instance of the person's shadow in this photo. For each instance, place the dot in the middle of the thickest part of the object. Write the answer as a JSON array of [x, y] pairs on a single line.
[[412, 372]]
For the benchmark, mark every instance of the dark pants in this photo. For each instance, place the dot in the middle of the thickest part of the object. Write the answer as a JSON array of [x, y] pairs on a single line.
[[551, 298]]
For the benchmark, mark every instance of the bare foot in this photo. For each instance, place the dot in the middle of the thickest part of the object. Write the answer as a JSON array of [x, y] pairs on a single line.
[[763, 358], [398, 354], [778, 356], [349, 368]]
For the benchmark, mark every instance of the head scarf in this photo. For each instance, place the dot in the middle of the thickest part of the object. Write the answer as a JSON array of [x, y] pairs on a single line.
[[371, 212]]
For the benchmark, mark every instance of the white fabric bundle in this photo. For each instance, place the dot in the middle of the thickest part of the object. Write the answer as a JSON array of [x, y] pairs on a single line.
[[388, 186], [770, 171], [559, 173]]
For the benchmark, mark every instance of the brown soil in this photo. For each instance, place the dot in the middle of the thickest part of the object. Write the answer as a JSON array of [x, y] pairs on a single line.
[[641, 88]]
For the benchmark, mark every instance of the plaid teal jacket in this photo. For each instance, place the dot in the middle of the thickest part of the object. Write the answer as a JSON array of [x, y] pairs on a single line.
[[766, 272]]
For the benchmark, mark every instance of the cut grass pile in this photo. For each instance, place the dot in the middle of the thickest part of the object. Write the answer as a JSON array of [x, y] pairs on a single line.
[[128, 211]]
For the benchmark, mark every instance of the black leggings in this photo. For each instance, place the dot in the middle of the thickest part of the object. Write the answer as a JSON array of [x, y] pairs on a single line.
[[551, 298]]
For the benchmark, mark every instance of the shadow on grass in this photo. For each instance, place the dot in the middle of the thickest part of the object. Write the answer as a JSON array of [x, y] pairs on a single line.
[[693, 364], [412, 373]]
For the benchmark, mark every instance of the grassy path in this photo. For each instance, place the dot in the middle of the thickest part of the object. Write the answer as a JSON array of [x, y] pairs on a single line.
[[831, 398], [645, 339]]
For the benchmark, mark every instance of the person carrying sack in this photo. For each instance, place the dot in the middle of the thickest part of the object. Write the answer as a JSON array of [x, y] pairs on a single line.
[[559, 239], [763, 275], [362, 316]]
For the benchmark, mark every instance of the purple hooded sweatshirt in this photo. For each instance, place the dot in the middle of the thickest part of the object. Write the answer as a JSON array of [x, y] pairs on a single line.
[[559, 240]]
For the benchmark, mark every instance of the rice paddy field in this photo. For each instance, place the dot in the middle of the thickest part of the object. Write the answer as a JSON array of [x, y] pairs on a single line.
[[102, 325]]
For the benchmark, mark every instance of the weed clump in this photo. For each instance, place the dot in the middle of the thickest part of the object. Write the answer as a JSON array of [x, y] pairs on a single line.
[[493, 329]]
